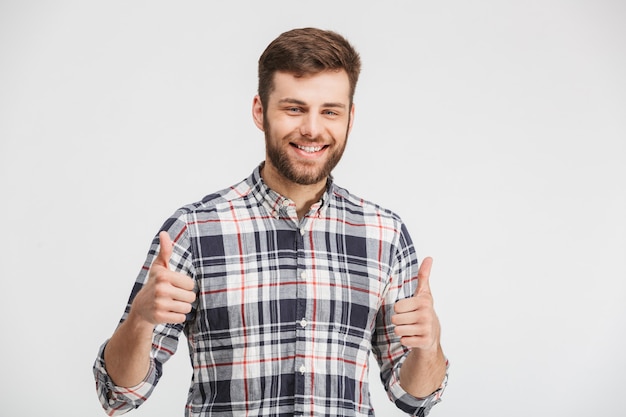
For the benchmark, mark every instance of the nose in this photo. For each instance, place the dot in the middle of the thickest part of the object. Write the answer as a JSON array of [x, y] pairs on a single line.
[[310, 126]]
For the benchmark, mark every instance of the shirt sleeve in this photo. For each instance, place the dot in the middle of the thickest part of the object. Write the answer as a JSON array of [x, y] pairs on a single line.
[[118, 400], [388, 350]]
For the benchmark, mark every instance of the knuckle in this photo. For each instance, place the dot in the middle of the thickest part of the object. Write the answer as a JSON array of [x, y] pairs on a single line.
[[162, 290], [160, 277], [159, 317], [158, 306], [397, 307]]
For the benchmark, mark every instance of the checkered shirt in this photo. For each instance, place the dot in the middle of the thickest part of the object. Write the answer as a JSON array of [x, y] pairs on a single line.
[[287, 310]]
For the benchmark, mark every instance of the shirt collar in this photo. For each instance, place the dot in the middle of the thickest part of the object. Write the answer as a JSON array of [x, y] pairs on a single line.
[[274, 202]]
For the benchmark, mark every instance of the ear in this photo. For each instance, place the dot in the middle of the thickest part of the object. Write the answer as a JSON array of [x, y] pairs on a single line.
[[351, 118], [257, 112]]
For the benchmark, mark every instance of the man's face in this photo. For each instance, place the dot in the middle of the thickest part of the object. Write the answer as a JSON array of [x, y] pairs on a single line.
[[306, 125]]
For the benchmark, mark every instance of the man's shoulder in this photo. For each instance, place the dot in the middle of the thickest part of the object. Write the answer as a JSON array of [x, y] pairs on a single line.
[[361, 206], [219, 199]]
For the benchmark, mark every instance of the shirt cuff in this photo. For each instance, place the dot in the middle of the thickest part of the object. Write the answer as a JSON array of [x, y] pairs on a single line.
[[118, 400], [410, 404]]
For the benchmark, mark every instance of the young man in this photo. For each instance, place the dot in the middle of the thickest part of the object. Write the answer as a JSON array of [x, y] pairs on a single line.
[[284, 283]]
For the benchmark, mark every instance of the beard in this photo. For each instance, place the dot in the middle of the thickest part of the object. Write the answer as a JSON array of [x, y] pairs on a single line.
[[301, 172]]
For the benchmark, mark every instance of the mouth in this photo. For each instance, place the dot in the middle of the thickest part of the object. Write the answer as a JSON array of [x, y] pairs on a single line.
[[309, 149]]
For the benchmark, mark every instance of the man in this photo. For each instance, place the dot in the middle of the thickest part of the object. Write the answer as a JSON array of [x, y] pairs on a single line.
[[285, 282]]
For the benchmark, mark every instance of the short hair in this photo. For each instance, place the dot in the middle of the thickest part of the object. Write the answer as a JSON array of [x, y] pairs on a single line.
[[307, 51]]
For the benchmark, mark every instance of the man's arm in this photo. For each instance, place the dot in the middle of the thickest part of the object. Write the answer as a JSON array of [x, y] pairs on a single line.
[[166, 298], [424, 369]]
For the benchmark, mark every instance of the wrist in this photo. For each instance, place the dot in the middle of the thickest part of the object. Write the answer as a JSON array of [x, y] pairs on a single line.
[[138, 324]]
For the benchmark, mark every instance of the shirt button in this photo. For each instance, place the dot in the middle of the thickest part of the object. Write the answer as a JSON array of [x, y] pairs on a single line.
[[302, 232], [302, 369], [303, 322], [303, 275], [285, 203]]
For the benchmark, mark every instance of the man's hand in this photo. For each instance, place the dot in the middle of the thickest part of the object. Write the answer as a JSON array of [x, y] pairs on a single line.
[[167, 295], [415, 318]]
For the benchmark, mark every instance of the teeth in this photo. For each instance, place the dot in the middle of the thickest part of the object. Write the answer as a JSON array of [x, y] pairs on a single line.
[[310, 148]]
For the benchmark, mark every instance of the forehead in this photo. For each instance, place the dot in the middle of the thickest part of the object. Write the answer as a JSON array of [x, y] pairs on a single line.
[[322, 87]]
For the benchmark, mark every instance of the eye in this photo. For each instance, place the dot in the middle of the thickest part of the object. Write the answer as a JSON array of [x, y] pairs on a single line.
[[330, 113], [294, 110]]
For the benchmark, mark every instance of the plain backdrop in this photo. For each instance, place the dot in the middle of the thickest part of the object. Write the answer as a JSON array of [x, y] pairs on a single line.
[[495, 129]]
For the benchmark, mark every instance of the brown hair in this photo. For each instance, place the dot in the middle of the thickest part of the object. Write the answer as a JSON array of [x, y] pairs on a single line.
[[307, 51]]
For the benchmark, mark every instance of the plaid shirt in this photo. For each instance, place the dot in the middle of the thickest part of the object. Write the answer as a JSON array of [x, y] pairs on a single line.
[[287, 309]]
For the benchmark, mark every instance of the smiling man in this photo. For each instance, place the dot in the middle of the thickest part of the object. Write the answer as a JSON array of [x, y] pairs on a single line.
[[284, 283]]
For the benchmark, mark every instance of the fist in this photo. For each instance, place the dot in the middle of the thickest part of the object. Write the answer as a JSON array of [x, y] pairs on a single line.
[[167, 296], [415, 319]]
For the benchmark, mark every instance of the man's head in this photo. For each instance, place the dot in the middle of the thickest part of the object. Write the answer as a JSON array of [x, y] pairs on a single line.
[[307, 51], [304, 105]]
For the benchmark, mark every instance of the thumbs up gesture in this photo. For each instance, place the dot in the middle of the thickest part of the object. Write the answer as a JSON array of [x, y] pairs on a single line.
[[415, 318], [167, 295]]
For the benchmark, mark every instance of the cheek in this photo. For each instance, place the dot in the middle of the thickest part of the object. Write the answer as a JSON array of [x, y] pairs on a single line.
[[281, 127], [340, 132]]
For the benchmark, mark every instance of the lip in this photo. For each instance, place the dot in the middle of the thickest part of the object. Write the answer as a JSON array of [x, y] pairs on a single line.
[[309, 150]]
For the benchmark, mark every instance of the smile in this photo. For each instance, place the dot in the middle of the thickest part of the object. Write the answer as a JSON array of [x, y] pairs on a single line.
[[310, 149]]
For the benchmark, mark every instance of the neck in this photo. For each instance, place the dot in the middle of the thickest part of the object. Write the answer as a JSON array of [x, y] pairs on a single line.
[[304, 196]]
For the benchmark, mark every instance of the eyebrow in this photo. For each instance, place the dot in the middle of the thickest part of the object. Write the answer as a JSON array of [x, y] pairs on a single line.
[[302, 103]]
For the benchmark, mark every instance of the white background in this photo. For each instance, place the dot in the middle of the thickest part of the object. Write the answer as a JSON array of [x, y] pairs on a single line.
[[496, 129]]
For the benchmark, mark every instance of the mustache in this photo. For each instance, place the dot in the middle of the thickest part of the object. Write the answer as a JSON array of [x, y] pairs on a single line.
[[320, 139]]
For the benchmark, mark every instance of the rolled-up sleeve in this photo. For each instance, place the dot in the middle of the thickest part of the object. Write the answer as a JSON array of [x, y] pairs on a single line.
[[117, 400], [408, 403]]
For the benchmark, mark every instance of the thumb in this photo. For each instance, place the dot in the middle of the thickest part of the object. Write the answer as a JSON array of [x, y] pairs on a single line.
[[423, 275], [165, 252]]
